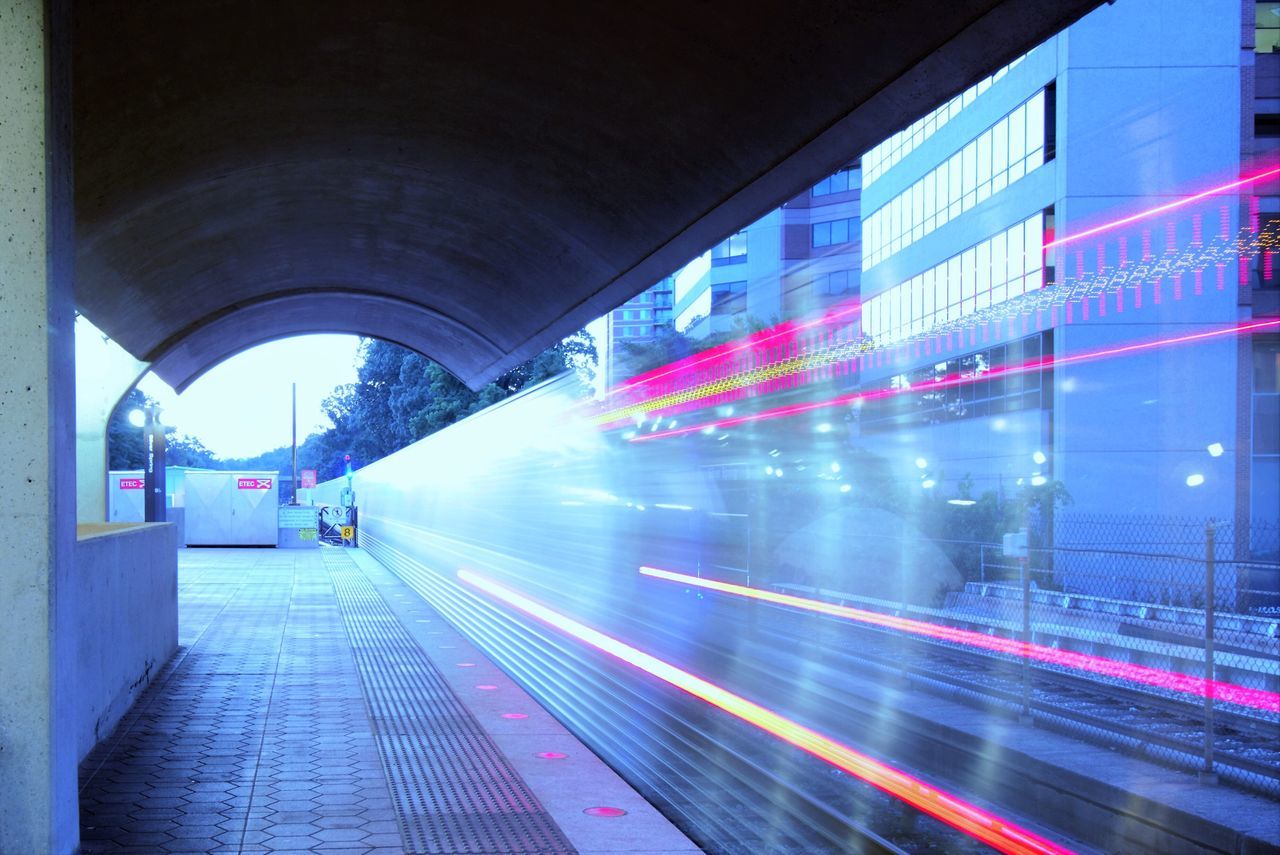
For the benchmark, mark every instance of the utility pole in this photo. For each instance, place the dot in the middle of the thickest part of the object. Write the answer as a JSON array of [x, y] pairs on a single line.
[[294, 470]]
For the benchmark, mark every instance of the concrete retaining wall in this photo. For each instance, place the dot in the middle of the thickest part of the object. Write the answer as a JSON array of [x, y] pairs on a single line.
[[126, 626]]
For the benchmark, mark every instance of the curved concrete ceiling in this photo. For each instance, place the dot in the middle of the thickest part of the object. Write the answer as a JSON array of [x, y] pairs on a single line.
[[472, 181]]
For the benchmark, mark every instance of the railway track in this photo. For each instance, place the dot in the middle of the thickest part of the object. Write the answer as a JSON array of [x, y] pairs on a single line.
[[1143, 720]]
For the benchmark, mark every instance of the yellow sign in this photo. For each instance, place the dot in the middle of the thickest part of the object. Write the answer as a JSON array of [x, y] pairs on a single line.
[[348, 532]]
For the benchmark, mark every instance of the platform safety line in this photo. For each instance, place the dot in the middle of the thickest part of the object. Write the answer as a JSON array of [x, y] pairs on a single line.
[[993, 830], [1242, 695]]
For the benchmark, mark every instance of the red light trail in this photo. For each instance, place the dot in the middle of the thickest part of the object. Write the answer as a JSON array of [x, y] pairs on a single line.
[[1255, 698], [993, 830], [956, 379]]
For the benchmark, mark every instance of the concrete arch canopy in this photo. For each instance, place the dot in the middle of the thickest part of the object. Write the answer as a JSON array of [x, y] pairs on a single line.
[[478, 180]]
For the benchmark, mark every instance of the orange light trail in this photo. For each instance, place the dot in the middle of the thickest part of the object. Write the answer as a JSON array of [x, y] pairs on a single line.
[[993, 830], [1244, 696]]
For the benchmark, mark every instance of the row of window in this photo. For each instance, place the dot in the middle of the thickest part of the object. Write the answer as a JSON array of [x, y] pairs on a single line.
[[1000, 268], [915, 404], [833, 232], [635, 315], [887, 154], [999, 156], [634, 332], [843, 181]]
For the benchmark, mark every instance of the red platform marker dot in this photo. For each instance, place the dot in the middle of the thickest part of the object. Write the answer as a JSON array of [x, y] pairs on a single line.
[[605, 811], [485, 687], [550, 755], [514, 715], [466, 664]]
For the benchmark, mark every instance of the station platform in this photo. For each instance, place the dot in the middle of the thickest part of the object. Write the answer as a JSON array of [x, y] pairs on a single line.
[[317, 704]]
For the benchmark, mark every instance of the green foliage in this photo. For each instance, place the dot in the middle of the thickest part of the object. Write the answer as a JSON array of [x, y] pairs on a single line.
[[127, 448], [126, 445], [188, 451], [959, 529]]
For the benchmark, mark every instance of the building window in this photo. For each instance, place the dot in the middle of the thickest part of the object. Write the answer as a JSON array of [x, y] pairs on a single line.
[[728, 297], [996, 158], [887, 154], [1266, 33], [1005, 266], [834, 284], [1266, 276], [975, 396], [731, 250], [841, 182], [1265, 469], [832, 233]]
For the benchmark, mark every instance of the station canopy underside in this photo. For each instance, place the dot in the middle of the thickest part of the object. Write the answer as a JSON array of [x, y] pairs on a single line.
[[470, 181]]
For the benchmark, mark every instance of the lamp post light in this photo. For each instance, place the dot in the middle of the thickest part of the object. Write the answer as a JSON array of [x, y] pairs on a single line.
[[148, 418]]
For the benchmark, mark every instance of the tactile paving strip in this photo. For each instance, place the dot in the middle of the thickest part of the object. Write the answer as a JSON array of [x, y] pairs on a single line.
[[453, 790]]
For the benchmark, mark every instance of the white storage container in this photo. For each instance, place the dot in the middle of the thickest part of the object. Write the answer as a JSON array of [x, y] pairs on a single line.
[[232, 508], [126, 495]]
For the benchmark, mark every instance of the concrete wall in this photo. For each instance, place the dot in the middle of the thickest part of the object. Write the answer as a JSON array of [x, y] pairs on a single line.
[[126, 620], [38, 810], [104, 373]]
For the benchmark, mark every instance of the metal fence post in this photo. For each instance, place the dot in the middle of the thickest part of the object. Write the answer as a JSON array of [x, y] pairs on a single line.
[[1024, 565], [1207, 775]]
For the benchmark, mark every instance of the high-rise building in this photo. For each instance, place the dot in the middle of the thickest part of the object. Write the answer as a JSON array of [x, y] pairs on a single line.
[[1054, 219], [797, 259], [1057, 237]]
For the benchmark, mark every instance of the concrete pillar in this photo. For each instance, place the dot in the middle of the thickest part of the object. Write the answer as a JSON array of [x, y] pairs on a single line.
[[38, 806], [105, 371]]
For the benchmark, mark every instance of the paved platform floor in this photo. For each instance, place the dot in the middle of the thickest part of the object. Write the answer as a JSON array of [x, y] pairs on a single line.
[[316, 704]]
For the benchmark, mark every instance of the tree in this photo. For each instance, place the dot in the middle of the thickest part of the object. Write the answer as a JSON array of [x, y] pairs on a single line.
[[126, 444], [401, 396], [188, 451]]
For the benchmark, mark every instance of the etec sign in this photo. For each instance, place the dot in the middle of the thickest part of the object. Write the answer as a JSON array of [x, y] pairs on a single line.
[[253, 483]]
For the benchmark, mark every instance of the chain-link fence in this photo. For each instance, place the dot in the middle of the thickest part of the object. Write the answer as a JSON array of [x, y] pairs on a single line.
[[1179, 618], [1158, 635]]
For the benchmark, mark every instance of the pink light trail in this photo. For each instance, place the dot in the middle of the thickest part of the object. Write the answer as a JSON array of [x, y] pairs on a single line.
[[1173, 681], [1160, 209], [982, 825], [956, 379]]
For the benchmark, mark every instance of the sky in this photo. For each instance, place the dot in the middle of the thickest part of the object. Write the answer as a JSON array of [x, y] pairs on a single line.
[[241, 407]]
